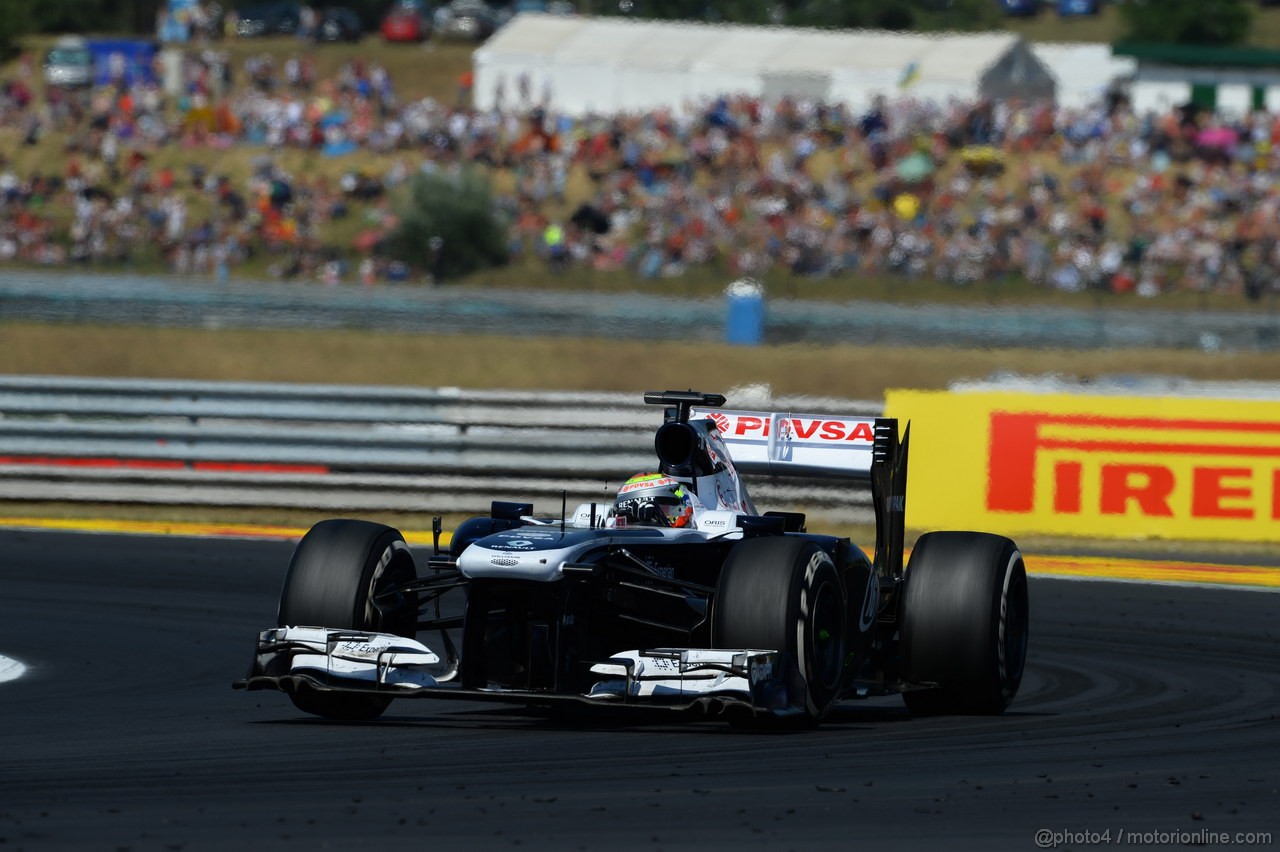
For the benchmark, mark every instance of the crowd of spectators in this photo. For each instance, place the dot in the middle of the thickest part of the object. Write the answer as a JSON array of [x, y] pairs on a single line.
[[963, 192], [1094, 198]]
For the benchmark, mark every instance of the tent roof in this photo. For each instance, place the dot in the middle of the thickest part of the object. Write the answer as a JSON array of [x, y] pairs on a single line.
[[743, 51], [940, 58], [962, 58], [1083, 69], [537, 34]]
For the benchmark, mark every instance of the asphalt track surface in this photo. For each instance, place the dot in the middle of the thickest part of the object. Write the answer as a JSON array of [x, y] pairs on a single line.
[[1145, 709]]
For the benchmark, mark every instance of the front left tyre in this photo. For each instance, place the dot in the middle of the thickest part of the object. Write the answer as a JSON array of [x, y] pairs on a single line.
[[965, 623], [342, 575], [785, 594]]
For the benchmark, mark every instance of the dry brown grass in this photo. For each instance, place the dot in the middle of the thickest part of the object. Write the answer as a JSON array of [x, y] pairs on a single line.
[[474, 361]]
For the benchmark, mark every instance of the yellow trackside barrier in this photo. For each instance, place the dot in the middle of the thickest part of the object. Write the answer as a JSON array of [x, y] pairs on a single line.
[[1096, 466]]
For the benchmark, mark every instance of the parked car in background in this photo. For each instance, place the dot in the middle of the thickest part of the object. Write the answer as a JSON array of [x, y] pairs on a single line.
[[268, 19], [75, 62], [1021, 8], [1072, 8], [407, 20], [549, 7], [339, 24], [466, 20], [69, 64], [546, 7]]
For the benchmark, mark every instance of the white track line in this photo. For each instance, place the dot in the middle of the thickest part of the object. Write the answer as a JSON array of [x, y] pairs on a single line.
[[11, 669]]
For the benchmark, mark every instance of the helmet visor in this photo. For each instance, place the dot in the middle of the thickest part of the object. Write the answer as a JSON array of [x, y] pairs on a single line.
[[659, 510]]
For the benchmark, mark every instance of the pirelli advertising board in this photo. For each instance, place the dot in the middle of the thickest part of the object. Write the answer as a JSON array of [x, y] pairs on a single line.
[[1103, 466]]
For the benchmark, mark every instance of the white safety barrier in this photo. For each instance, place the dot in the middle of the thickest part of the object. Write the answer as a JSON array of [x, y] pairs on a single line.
[[337, 447]]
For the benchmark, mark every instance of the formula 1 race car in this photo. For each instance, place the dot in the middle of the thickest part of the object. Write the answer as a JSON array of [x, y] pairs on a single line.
[[680, 595]]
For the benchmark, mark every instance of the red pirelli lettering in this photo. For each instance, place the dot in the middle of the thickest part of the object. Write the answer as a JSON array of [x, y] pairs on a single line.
[[1275, 495], [1149, 485], [1066, 488], [1209, 490], [1011, 461], [1016, 440]]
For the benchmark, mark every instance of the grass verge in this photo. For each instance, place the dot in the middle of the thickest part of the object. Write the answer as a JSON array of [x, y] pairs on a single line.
[[482, 361]]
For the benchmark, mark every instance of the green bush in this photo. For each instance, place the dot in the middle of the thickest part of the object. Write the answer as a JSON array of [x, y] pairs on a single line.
[[449, 226], [14, 22], [1188, 21]]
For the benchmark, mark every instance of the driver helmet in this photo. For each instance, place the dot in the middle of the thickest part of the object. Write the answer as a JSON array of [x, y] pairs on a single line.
[[654, 499]]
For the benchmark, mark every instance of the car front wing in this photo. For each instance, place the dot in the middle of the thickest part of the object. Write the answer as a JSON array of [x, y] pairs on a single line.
[[717, 681]]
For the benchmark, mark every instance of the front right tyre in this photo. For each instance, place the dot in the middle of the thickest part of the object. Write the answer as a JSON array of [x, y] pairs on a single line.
[[337, 578]]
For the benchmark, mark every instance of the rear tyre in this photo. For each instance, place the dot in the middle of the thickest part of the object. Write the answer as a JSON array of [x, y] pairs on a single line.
[[337, 571], [964, 623], [785, 594]]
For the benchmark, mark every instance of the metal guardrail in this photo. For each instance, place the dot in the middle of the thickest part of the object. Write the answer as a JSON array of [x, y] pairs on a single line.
[[172, 301], [342, 448]]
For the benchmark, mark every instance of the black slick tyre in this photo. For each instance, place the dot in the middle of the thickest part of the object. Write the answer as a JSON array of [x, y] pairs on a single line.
[[785, 594], [965, 623], [337, 571]]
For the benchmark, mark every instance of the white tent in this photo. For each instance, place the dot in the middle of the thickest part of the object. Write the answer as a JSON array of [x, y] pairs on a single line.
[[578, 65], [1084, 71]]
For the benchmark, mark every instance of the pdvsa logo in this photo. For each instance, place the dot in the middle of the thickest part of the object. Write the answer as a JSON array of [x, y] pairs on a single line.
[[822, 430], [1155, 467]]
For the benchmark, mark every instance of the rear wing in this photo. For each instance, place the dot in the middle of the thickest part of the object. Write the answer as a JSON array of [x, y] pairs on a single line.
[[785, 444], [864, 449]]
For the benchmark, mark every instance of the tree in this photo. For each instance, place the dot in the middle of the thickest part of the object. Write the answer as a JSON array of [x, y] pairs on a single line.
[[14, 23], [713, 11], [837, 14], [1187, 21], [938, 15], [91, 16], [896, 14], [449, 225], [370, 12]]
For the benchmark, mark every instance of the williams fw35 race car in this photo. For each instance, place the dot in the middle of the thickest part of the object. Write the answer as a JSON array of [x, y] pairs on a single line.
[[680, 595]]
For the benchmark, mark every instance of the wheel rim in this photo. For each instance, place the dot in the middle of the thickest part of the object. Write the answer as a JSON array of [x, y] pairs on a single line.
[[394, 615], [824, 636], [1016, 629]]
